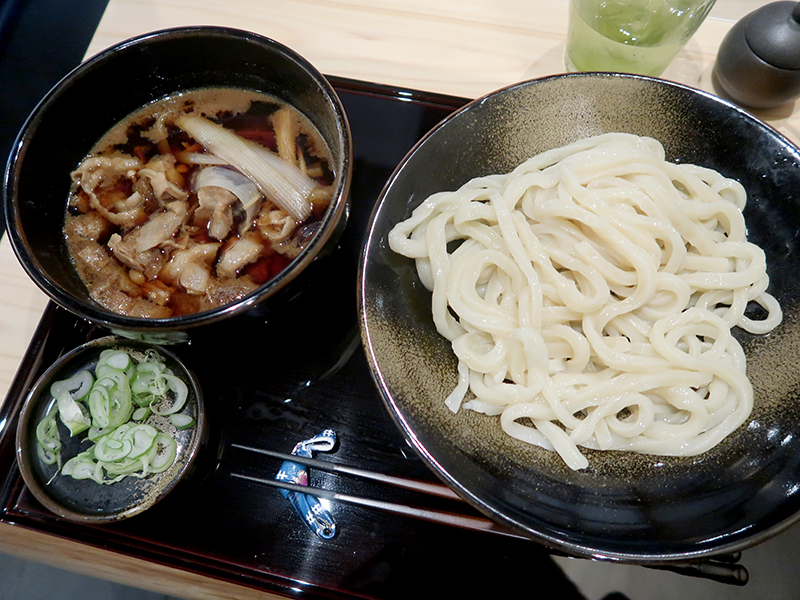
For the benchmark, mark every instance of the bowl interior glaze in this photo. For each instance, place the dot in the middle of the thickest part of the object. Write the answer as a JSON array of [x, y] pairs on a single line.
[[626, 507]]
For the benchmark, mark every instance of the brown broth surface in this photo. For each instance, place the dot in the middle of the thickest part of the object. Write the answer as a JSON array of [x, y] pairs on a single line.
[[147, 242]]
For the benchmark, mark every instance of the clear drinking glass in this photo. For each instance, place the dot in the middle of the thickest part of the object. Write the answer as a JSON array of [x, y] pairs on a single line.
[[630, 36]]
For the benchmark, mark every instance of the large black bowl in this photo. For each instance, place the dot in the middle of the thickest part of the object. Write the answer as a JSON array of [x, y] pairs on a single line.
[[83, 106], [624, 507]]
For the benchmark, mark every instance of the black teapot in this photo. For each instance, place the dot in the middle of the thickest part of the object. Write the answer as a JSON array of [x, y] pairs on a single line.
[[758, 63]]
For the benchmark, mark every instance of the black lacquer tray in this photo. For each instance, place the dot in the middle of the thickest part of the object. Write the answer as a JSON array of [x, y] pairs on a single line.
[[271, 386]]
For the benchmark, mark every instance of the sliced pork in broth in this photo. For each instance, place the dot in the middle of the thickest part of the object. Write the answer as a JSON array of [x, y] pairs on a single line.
[[195, 201]]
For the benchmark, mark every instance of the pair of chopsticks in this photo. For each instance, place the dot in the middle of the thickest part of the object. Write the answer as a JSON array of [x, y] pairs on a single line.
[[722, 569], [432, 489]]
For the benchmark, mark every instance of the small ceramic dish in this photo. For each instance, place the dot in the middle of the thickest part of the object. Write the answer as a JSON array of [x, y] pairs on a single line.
[[86, 500]]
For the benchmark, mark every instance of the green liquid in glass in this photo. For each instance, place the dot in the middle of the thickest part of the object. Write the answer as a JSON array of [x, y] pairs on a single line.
[[633, 36]]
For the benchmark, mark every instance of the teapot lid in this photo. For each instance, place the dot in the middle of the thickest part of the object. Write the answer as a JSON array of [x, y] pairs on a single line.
[[773, 33]]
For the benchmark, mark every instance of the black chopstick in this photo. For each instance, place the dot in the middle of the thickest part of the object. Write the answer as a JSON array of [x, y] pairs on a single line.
[[434, 489]]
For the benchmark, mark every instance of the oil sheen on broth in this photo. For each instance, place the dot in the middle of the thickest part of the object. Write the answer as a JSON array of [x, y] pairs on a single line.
[[195, 201]]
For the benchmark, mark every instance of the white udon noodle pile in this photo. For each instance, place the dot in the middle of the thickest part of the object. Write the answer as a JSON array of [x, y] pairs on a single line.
[[589, 296]]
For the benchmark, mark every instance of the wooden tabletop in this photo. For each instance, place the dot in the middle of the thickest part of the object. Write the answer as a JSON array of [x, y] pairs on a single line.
[[460, 47]]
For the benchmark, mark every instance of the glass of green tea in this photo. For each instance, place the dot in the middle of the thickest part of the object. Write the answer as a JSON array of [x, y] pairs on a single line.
[[630, 36]]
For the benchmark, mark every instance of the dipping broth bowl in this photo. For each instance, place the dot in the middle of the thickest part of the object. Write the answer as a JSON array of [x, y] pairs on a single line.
[[108, 87]]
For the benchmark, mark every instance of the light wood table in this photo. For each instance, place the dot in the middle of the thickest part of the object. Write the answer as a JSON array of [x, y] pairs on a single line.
[[459, 47]]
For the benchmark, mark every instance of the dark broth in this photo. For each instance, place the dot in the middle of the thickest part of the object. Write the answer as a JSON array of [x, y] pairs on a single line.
[[138, 186]]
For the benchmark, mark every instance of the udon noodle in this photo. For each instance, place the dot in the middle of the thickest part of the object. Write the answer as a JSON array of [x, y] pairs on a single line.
[[589, 297]]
